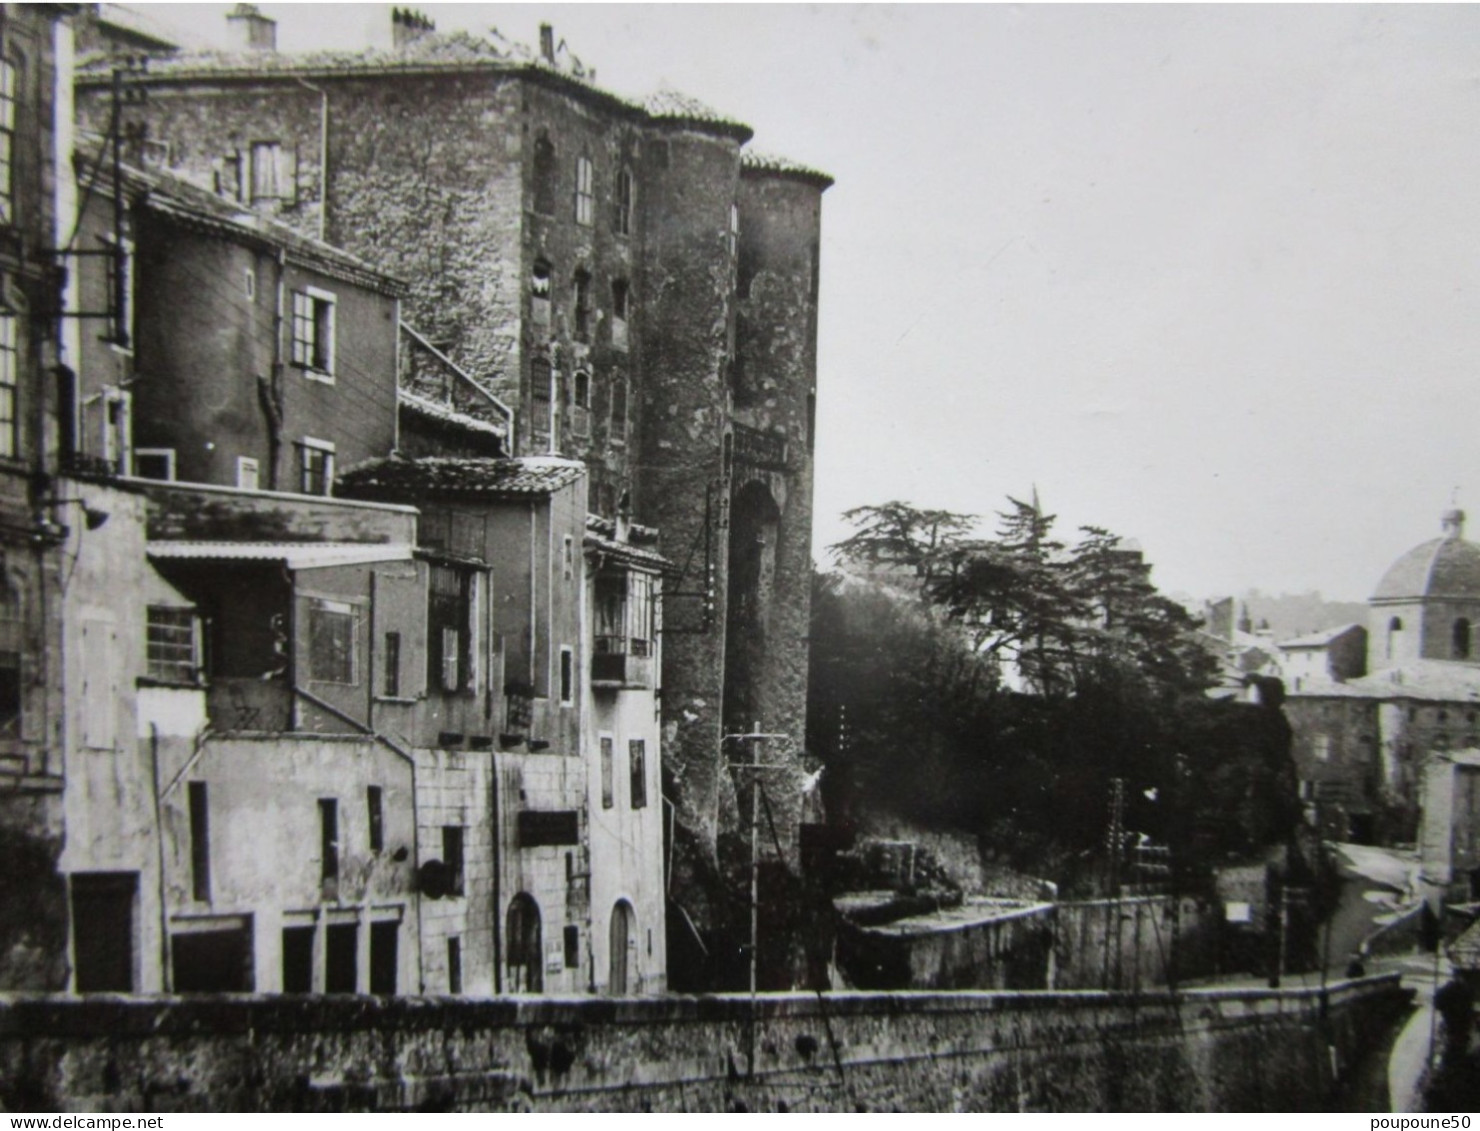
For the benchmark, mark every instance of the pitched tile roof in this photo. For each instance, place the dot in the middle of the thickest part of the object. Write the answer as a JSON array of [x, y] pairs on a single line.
[[1316, 639], [456, 51], [523, 477], [601, 537], [1431, 681], [759, 162]]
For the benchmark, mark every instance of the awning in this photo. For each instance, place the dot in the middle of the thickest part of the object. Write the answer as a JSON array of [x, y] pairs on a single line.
[[294, 555]]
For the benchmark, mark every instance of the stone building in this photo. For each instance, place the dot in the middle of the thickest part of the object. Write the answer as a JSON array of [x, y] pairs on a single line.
[[1332, 656], [632, 282], [1361, 743], [40, 510], [1449, 832], [323, 740]]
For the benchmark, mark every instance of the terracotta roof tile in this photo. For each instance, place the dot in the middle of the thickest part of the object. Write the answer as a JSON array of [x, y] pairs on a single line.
[[523, 477]]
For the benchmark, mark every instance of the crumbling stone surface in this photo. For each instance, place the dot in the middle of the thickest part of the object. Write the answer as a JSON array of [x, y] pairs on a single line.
[[1244, 1050]]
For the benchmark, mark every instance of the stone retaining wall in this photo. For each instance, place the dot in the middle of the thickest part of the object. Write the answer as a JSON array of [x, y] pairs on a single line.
[[1042, 1051]]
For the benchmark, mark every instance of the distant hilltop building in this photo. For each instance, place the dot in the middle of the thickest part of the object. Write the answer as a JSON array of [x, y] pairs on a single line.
[[624, 284], [1362, 742]]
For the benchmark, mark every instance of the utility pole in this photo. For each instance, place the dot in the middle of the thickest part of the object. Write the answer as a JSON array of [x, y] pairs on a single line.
[[1114, 836]]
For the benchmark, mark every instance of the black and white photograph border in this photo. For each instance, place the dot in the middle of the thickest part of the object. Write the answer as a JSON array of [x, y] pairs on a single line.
[[739, 558]]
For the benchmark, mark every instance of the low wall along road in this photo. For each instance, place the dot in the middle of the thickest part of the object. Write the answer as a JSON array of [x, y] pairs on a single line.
[[1231, 1050]]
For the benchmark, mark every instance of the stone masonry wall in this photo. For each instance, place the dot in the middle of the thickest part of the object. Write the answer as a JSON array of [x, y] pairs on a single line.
[[1227, 1050]]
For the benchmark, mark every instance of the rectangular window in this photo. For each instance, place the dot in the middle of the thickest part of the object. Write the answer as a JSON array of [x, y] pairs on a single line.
[[391, 688], [452, 856], [622, 213], [315, 467], [567, 677], [454, 965], [640, 623], [539, 293], [568, 558], [298, 960], [585, 196], [200, 843], [621, 304], [332, 631], [375, 817], [172, 646], [10, 694], [637, 759], [329, 846], [619, 408], [607, 798], [449, 628], [247, 473], [581, 296], [572, 947], [155, 463], [540, 375], [1322, 749], [9, 385], [8, 92], [313, 332], [266, 160]]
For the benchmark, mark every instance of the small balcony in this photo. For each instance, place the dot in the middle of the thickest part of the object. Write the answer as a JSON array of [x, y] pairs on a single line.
[[621, 662]]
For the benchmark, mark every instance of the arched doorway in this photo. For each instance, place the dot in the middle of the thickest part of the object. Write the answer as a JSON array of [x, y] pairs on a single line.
[[524, 957], [622, 949]]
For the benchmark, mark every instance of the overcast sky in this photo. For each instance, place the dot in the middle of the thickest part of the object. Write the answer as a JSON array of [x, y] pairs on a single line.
[[1207, 276]]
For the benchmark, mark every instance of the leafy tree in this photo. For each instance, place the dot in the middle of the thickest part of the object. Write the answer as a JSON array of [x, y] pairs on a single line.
[[912, 711]]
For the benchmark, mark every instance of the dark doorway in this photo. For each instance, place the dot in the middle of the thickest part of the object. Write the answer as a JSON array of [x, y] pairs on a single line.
[[383, 938], [341, 958], [103, 930], [623, 944], [525, 959], [297, 960], [206, 962]]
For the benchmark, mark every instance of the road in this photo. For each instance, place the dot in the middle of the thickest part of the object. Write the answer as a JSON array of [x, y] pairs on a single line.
[[1411, 1051]]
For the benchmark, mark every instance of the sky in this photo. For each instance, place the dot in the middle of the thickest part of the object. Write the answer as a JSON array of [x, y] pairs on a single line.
[[1206, 276]]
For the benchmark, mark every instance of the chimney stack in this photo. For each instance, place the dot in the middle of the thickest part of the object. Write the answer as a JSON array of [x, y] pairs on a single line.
[[547, 43], [409, 25], [250, 30]]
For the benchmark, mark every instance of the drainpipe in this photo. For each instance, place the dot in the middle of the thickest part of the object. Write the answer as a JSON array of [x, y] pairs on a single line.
[[323, 152], [166, 974], [275, 383], [533, 594]]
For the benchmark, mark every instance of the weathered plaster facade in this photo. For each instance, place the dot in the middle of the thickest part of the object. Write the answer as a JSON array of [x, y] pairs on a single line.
[[642, 294]]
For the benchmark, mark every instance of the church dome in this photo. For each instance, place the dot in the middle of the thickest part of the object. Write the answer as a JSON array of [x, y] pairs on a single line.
[[1447, 566]]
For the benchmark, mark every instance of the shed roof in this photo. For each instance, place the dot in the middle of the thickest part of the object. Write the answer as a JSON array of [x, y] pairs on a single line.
[[295, 555], [446, 414]]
